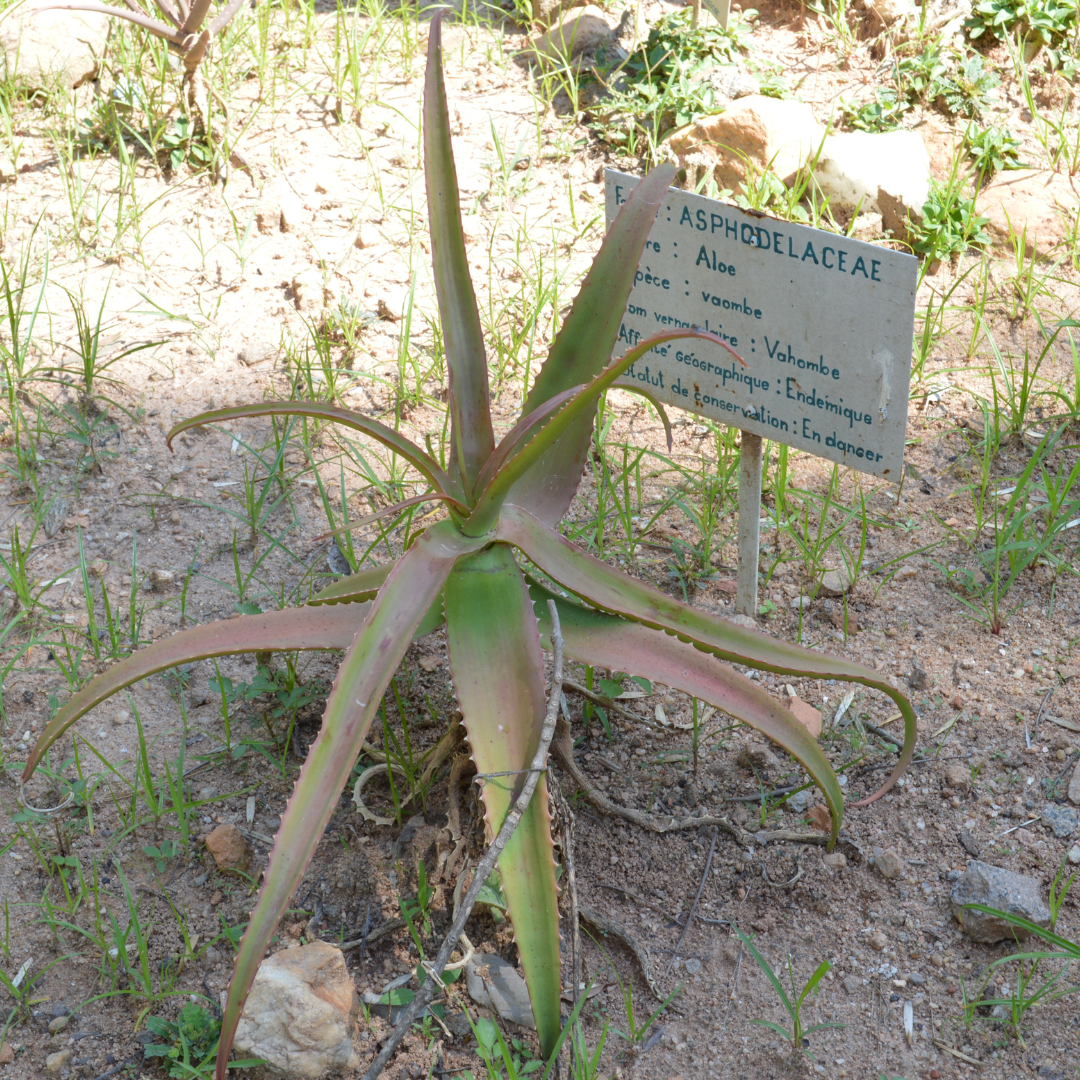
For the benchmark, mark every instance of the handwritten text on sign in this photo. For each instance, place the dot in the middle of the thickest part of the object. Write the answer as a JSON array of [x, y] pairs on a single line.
[[823, 322]]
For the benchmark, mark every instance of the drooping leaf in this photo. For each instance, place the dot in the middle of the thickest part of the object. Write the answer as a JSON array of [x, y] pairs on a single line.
[[137, 17], [602, 640], [558, 426], [420, 460], [290, 628], [463, 338], [654, 401], [363, 585], [366, 670], [498, 671], [615, 592], [584, 346]]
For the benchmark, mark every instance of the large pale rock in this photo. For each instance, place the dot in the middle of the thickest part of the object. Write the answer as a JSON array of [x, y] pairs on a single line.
[[1003, 890], [886, 172], [1043, 201], [578, 31], [52, 47], [751, 135], [301, 1012], [496, 985], [891, 12], [1074, 787]]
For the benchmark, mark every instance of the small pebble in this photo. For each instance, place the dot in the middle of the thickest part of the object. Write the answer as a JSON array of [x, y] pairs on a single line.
[[693, 966], [121, 717], [58, 1023]]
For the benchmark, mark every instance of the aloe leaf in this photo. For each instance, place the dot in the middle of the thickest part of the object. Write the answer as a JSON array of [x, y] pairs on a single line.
[[580, 404], [368, 665], [290, 628], [396, 508], [601, 640], [420, 460], [137, 17], [585, 343], [520, 434], [225, 16], [196, 13], [363, 585], [654, 401], [615, 592], [498, 671], [463, 338]]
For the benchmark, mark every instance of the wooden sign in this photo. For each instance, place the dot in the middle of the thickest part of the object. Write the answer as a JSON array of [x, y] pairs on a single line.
[[824, 324]]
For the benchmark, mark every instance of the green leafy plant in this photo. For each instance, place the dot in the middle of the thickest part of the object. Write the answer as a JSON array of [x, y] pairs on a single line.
[[665, 83], [950, 224], [992, 149], [793, 1003], [189, 31], [884, 113], [1037, 23], [161, 854], [966, 90], [462, 572], [188, 1043]]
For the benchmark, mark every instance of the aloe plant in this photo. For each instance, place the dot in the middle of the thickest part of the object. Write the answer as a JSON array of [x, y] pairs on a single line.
[[502, 500], [189, 35]]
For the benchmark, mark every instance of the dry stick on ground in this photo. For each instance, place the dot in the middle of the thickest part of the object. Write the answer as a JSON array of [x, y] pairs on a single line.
[[693, 907], [563, 748], [483, 870], [571, 879]]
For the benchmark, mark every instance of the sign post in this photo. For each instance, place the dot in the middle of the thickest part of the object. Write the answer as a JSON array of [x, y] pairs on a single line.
[[823, 323]]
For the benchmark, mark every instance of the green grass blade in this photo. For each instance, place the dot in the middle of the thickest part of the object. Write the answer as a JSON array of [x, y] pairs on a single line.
[[498, 671], [363, 676]]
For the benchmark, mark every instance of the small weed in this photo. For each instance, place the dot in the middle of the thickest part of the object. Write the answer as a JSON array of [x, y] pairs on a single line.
[[793, 1003]]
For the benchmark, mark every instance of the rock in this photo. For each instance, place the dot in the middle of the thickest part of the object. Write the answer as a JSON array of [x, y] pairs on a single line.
[[41, 50], [835, 860], [892, 11], [1012, 893], [255, 352], [58, 1023], [496, 985], [868, 227], [958, 776], [229, 848], [756, 756], [886, 172], [693, 965], [969, 843], [1024, 837], [1039, 199], [55, 516], [98, 568], [160, 580], [1062, 820], [579, 31], [800, 801], [746, 621], [1074, 855], [837, 582], [7, 1054], [878, 941], [937, 960], [728, 82], [1074, 786], [55, 1062], [756, 132], [918, 678], [806, 714], [888, 864], [301, 1012], [915, 978], [852, 984]]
